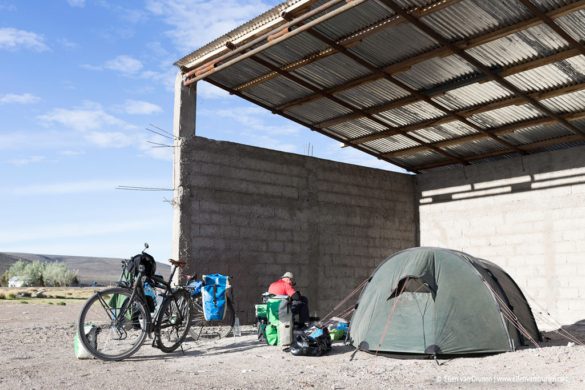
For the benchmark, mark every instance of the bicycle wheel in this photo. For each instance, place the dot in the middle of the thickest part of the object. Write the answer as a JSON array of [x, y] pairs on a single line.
[[202, 329], [111, 327], [174, 321]]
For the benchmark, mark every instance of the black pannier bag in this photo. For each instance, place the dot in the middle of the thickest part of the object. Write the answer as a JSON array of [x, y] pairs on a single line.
[[146, 260], [318, 343]]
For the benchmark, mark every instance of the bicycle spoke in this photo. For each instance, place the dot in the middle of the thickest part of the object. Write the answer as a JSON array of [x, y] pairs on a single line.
[[120, 331]]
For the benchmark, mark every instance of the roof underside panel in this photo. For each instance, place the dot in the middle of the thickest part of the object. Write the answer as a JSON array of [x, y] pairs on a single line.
[[474, 17], [373, 93], [419, 83], [277, 91], [534, 134], [394, 44], [353, 20]]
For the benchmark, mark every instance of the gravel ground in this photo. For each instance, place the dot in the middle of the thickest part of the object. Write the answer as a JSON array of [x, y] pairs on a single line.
[[36, 344]]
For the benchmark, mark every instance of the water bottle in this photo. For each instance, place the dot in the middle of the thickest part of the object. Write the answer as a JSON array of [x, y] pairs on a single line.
[[237, 330]]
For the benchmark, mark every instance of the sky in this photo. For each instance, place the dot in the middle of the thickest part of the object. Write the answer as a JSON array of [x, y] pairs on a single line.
[[81, 84]]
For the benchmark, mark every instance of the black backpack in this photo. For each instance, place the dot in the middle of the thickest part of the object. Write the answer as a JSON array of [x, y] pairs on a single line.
[[144, 259], [303, 345]]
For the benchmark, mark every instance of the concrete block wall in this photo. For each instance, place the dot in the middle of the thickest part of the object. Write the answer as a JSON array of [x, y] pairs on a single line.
[[255, 213], [525, 214]]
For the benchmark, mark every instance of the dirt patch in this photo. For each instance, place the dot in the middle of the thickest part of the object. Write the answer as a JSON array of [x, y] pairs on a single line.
[[36, 341], [50, 292]]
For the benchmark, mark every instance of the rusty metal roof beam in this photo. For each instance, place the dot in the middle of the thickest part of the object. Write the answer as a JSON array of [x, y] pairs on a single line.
[[407, 88], [265, 41], [510, 101], [555, 27], [476, 63], [446, 87], [342, 103], [501, 130], [527, 147], [348, 41], [436, 52]]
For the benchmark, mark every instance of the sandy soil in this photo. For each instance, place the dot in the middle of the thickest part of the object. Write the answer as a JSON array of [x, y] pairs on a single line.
[[36, 344]]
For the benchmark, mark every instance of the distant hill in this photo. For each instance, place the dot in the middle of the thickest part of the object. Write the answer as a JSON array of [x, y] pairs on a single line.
[[103, 271]]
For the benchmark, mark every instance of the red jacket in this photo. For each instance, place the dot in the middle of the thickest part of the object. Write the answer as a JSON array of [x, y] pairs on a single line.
[[282, 287]]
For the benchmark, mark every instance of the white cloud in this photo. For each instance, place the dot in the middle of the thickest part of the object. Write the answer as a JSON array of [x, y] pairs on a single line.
[[89, 117], [27, 160], [25, 98], [96, 125], [196, 22], [76, 3], [210, 91], [124, 64], [12, 39], [110, 139], [165, 77], [252, 118], [139, 107], [68, 44]]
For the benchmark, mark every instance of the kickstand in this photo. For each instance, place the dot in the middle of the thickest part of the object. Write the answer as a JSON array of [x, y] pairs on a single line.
[[182, 350]]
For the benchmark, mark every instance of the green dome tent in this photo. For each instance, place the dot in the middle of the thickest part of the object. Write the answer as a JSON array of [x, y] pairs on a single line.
[[434, 301]]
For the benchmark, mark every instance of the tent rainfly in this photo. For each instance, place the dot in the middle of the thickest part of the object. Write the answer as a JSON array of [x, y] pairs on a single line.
[[437, 302]]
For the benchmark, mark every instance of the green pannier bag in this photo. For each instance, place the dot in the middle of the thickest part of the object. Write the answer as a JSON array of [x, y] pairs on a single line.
[[116, 302], [279, 328]]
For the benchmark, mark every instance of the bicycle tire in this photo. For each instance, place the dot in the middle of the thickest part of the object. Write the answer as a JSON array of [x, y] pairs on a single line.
[[117, 328], [174, 321], [202, 329]]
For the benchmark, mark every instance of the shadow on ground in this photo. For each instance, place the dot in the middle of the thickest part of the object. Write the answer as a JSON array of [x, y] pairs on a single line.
[[574, 333]]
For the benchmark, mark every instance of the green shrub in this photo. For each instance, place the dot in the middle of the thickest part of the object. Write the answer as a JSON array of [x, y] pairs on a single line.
[[10, 296], [61, 303], [50, 303], [2, 296], [58, 275], [37, 273], [24, 302]]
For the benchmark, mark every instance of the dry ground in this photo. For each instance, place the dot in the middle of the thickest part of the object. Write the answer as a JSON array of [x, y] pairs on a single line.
[[36, 344]]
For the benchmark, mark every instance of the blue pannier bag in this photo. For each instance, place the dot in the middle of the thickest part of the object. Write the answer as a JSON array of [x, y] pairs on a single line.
[[196, 286], [214, 296]]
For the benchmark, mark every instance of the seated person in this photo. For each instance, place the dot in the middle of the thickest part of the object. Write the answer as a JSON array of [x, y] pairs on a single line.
[[299, 304]]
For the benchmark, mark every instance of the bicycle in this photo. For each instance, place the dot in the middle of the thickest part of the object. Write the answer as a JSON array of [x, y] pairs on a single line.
[[114, 322], [200, 327]]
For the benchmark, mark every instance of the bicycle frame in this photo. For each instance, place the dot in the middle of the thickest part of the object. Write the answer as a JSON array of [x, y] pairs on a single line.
[[138, 293]]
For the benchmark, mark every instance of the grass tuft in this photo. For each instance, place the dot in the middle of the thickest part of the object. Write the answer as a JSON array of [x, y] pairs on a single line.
[[61, 303]]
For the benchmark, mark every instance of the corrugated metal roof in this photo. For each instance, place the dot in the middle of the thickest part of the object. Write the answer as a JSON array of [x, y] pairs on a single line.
[[419, 83]]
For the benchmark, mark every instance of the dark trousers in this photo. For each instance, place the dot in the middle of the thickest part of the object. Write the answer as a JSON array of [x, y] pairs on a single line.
[[301, 308]]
